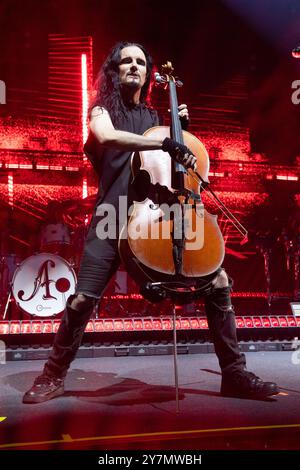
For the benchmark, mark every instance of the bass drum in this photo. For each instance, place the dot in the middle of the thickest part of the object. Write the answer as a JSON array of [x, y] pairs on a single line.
[[42, 284]]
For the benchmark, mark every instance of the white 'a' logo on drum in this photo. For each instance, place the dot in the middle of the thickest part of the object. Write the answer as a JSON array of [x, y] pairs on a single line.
[[42, 284]]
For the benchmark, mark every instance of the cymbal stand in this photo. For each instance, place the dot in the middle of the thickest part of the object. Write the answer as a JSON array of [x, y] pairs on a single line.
[[7, 304], [175, 359], [4, 278], [297, 268], [266, 254]]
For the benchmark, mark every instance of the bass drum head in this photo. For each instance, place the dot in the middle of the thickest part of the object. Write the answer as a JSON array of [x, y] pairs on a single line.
[[42, 284]]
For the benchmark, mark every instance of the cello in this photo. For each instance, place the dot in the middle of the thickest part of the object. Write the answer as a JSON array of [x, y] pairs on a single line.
[[171, 246]]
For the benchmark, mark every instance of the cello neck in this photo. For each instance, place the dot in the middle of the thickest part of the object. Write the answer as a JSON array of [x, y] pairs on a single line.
[[176, 130], [176, 134]]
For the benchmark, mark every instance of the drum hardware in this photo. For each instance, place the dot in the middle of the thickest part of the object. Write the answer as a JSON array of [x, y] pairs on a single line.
[[95, 313], [297, 269], [291, 244], [8, 264], [264, 242], [3, 279], [7, 304], [56, 239]]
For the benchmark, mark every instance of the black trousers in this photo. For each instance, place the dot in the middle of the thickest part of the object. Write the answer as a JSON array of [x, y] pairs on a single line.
[[99, 262]]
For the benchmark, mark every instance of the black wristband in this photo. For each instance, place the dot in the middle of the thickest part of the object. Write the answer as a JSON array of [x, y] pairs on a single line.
[[172, 147]]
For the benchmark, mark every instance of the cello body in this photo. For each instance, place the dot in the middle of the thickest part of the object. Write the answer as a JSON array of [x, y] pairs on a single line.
[[146, 243]]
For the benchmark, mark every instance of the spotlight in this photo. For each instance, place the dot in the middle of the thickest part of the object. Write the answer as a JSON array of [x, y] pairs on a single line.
[[296, 52]]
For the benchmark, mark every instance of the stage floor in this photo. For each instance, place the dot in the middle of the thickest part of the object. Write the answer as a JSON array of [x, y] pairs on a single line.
[[129, 403]]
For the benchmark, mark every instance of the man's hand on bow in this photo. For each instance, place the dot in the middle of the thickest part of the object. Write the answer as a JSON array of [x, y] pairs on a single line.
[[180, 153]]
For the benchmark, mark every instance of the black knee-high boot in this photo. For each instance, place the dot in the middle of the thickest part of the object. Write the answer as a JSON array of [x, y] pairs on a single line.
[[221, 322], [68, 338], [236, 381], [50, 383]]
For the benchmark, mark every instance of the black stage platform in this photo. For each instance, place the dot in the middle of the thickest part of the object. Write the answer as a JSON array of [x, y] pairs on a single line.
[[129, 403]]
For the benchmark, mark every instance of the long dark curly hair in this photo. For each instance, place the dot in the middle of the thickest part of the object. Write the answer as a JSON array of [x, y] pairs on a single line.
[[107, 84]]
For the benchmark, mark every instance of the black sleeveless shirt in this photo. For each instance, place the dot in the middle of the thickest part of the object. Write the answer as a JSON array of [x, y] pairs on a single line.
[[112, 165]]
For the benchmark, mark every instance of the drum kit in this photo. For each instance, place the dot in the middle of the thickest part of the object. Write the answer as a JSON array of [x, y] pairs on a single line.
[[40, 284]]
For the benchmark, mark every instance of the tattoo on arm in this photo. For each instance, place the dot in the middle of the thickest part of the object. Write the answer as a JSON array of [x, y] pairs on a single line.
[[97, 111]]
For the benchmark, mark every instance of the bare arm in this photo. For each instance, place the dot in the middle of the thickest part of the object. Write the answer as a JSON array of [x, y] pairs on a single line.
[[103, 129]]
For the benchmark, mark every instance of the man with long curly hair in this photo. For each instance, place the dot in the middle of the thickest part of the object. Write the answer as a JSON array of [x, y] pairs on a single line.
[[119, 116]]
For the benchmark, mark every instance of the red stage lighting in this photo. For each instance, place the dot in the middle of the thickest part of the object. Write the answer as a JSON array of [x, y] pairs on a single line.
[[128, 325], [291, 321], [195, 323], [283, 321], [266, 322], [25, 327], [257, 322], [15, 328], [10, 189], [274, 322], [240, 322], [108, 325], [84, 94], [56, 324], [185, 324], [4, 328], [138, 324], [167, 324], [99, 327], [157, 325], [203, 323], [296, 52], [148, 325], [119, 325], [249, 322], [36, 327], [89, 327], [47, 327]]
